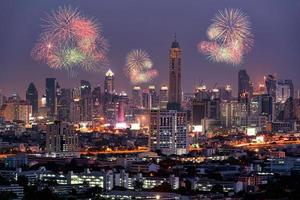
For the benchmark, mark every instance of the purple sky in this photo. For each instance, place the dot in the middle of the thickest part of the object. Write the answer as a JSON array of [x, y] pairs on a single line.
[[150, 25]]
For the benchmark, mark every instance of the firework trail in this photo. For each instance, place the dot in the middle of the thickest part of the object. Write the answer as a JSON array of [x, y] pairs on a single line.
[[230, 37], [139, 67], [70, 40]]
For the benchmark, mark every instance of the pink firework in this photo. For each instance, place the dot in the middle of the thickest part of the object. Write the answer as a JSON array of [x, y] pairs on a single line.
[[71, 40]]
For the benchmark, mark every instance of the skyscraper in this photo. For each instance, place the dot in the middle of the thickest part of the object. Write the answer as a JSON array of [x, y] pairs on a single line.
[[284, 90], [110, 99], [270, 83], [96, 95], [86, 101], [163, 97], [109, 85], [154, 101], [63, 104], [175, 75], [245, 89], [32, 98], [146, 99], [136, 97], [51, 98]]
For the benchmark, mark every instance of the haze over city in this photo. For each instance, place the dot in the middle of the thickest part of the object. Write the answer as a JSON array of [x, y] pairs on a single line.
[[151, 25]]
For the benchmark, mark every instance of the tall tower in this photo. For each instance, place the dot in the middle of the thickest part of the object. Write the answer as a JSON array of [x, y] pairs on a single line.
[[32, 98], [175, 75], [86, 101], [109, 86], [51, 97], [244, 85]]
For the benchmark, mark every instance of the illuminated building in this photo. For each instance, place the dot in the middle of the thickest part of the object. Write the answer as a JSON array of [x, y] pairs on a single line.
[[109, 85], [163, 97], [75, 109], [226, 93], [63, 105], [86, 101], [266, 106], [284, 90], [136, 97], [245, 89], [109, 97], [61, 139], [32, 98], [202, 93], [200, 110], [96, 95], [146, 99], [270, 83], [51, 98], [168, 131], [175, 76], [16, 111], [154, 100], [123, 102]]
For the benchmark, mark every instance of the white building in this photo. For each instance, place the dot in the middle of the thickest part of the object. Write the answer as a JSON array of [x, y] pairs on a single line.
[[168, 131]]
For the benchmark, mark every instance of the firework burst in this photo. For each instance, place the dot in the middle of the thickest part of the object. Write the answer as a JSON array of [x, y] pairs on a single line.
[[139, 67], [230, 37], [70, 40]]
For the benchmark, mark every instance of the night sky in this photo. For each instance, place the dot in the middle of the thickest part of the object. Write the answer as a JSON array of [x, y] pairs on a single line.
[[150, 25]]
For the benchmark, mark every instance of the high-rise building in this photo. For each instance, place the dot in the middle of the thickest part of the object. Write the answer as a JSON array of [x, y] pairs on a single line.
[[146, 99], [163, 97], [32, 98], [284, 90], [109, 86], [266, 106], [168, 131], [109, 96], [51, 98], [63, 105], [226, 93], [61, 139], [270, 84], [86, 101], [175, 75], [154, 99], [245, 88], [200, 110], [123, 102], [136, 101], [16, 110], [96, 95], [202, 93]]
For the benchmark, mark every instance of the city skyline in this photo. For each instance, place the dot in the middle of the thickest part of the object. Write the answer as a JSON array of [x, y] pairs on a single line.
[[265, 58]]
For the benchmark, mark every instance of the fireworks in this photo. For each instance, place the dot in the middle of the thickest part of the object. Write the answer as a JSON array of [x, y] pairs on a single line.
[[230, 37], [70, 40], [139, 67]]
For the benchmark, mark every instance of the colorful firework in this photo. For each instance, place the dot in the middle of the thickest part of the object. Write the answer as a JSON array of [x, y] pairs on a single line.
[[139, 67], [230, 37], [71, 40]]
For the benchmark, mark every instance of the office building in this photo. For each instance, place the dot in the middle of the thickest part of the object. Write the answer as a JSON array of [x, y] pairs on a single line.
[[168, 131], [32, 98], [175, 94], [51, 98], [61, 139]]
